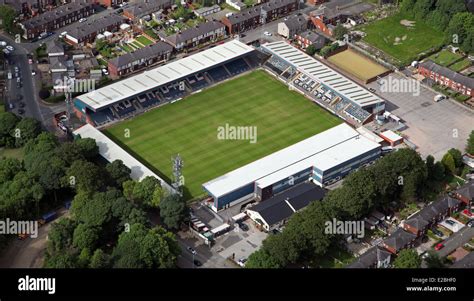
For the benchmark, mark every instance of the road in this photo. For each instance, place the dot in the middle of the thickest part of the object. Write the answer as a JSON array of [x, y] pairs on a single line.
[[456, 240]]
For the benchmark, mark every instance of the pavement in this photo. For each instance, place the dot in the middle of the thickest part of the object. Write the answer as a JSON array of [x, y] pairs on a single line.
[[456, 240], [434, 127]]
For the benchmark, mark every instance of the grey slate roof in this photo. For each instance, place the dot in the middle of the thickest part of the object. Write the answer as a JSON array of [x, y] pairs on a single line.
[[446, 72], [316, 39], [467, 190], [417, 222], [296, 21], [254, 11], [90, 27], [54, 46], [56, 13], [147, 7], [194, 32], [275, 209], [142, 54], [399, 239], [369, 258]]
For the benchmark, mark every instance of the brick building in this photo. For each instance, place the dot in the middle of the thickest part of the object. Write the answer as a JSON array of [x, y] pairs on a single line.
[[446, 77], [87, 32], [133, 61], [56, 18], [192, 37], [260, 14]]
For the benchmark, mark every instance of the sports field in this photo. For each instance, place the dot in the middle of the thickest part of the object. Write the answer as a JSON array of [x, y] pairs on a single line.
[[401, 37], [356, 64], [190, 127]]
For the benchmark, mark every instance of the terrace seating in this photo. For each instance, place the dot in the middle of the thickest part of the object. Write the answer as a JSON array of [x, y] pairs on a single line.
[[217, 74], [236, 67], [148, 100], [101, 117], [196, 82], [124, 108]]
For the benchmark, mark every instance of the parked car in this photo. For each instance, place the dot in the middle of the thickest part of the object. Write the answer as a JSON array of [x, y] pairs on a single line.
[[21, 111], [21, 104], [437, 232], [439, 246], [467, 212], [30, 61], [450, 222], [372, 90], [192, 250], [33, 72], [197, 263], [243, 226], [82, 20], [241, 262], [10, 48], [470, 223], [267, 33]]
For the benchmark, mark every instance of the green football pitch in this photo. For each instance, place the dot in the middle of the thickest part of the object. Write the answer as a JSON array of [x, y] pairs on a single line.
[[190, 127]]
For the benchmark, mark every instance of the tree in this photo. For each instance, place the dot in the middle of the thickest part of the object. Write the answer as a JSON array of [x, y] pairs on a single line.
[[407, 6], [85, 237], [8, 123], [7, 15], [433, 261], [470, 144], [83, 176], [457, 157], [9, 167], [63, 260], [439, 171], [143, 191], [422, 8], [172, 210], [128, 187], [61, 235], [69, 152], [261, 259], [88, 147], [99, 260], [339, 32], [94, 212], [407, 259], [311, 50], [448, 163], [118, 172], [26, 129], [142, 247]]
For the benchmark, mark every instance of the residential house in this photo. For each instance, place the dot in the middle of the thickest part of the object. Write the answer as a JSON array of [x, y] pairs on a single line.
[[139, 59], [87, 32], [293, 25], [466, 193], [236, 4], [308, 38], [255, 16], [54, 48], [375, 257], [275, 211], [142, 8], [110, 3], [30, 8], [416, 225], [398, 240], [447, 77], [54, 19], [206, 11], [193, 37]]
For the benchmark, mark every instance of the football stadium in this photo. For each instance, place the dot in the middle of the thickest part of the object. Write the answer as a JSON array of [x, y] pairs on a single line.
[[178, 108]]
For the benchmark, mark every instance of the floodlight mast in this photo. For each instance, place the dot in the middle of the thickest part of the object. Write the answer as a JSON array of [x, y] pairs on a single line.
[[177, 174]]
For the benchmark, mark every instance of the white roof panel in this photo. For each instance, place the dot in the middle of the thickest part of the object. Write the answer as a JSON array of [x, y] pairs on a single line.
[[111, 152], [322, 73], [280, 160], [164, 74]]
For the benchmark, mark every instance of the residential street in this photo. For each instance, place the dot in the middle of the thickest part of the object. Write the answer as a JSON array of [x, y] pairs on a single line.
[[456, 240]]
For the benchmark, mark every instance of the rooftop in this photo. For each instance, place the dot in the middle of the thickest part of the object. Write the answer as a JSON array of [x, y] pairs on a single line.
[[446, 72], [90, 27], [322, 73], [164, 74], [324, 150], [194, 32], [142, 54], [255, 11], [280, 207]]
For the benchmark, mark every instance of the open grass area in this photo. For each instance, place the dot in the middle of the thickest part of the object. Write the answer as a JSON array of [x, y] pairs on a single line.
[[445, 57], [334, 258], [12, 153], [143, 40], [189, 127], [461, 65], [402, 42], [126, 48], [354, 63]]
